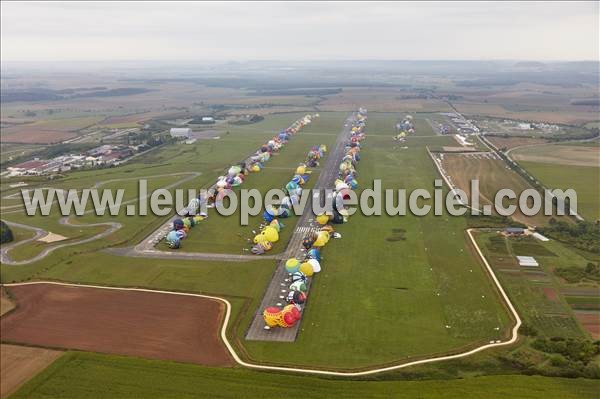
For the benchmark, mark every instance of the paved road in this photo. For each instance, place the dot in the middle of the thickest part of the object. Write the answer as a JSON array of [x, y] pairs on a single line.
[[277, 286]]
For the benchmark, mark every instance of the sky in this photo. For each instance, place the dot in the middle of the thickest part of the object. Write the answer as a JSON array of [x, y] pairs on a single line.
[[240, 31]]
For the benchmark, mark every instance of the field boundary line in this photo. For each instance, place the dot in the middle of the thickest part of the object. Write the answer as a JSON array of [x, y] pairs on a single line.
[[514, 332]]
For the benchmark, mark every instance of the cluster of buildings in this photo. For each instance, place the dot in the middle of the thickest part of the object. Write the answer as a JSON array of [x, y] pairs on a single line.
[[544, 127], [462, 124], [105, 155]]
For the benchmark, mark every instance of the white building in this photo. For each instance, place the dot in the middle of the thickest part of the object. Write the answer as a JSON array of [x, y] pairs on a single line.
[[525, 126], [181, 132], [527, 261]]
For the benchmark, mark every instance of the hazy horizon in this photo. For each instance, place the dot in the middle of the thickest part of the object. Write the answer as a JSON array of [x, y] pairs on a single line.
[[299, 31]]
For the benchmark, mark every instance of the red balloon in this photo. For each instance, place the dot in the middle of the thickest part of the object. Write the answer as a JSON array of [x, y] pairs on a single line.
[[289, 318], [295, 313]]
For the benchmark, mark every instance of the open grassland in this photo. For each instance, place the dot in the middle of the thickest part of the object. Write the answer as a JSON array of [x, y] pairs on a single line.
[[559, 154], [79, 374], [585, 180], [493, 175], [393, 287], [536, 291]]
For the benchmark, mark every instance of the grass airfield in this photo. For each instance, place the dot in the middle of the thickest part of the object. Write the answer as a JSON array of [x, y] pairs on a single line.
[[391, 289]]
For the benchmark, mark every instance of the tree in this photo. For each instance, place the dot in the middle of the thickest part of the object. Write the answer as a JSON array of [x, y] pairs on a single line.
[[6, 234]]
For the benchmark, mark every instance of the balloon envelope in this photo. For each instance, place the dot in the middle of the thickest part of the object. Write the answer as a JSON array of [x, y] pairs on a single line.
[[316, 266], [307, 269], [292, 265]]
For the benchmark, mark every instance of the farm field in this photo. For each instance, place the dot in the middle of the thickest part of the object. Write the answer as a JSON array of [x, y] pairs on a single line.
[[6, 304], [493, 175], [119, 376], [562, 115], [18, 364], [559, 154], [47, 131], [384, 294], [537, 292], [585, 180], [512, 142], [144, 324]]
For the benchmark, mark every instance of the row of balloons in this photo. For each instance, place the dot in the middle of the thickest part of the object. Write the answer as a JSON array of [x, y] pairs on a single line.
[[300, 271], [269, 231], [235, 176]]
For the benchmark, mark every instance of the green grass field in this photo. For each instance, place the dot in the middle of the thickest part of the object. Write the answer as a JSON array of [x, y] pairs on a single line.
[[77, 375], [585, 180], [379, 300]]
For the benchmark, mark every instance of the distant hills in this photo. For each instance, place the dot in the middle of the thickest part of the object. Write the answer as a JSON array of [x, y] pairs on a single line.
[[41, 94]]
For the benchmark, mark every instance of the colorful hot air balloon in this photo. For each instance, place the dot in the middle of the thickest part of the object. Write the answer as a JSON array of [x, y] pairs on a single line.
[[292, 265]]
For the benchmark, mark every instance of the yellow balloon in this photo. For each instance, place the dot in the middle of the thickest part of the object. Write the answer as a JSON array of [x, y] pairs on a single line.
[[307, 269], [322, 239], [322, 219], [259, 238], [271, 234], [271, 318]]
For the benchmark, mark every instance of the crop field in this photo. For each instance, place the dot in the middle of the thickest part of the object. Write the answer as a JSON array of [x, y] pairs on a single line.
[[77, 374], [562, 115], [19, 364], [560, 154], [144, 324], [380, 99], [536, 291], [47, 131], [585, 180], [379, 298], [511, 142], [493, 175]]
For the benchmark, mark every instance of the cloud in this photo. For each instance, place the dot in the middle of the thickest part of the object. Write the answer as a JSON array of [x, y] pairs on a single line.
[[299, 30]]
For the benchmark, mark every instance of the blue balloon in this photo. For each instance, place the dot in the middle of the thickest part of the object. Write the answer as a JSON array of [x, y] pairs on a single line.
[[314, 254]]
